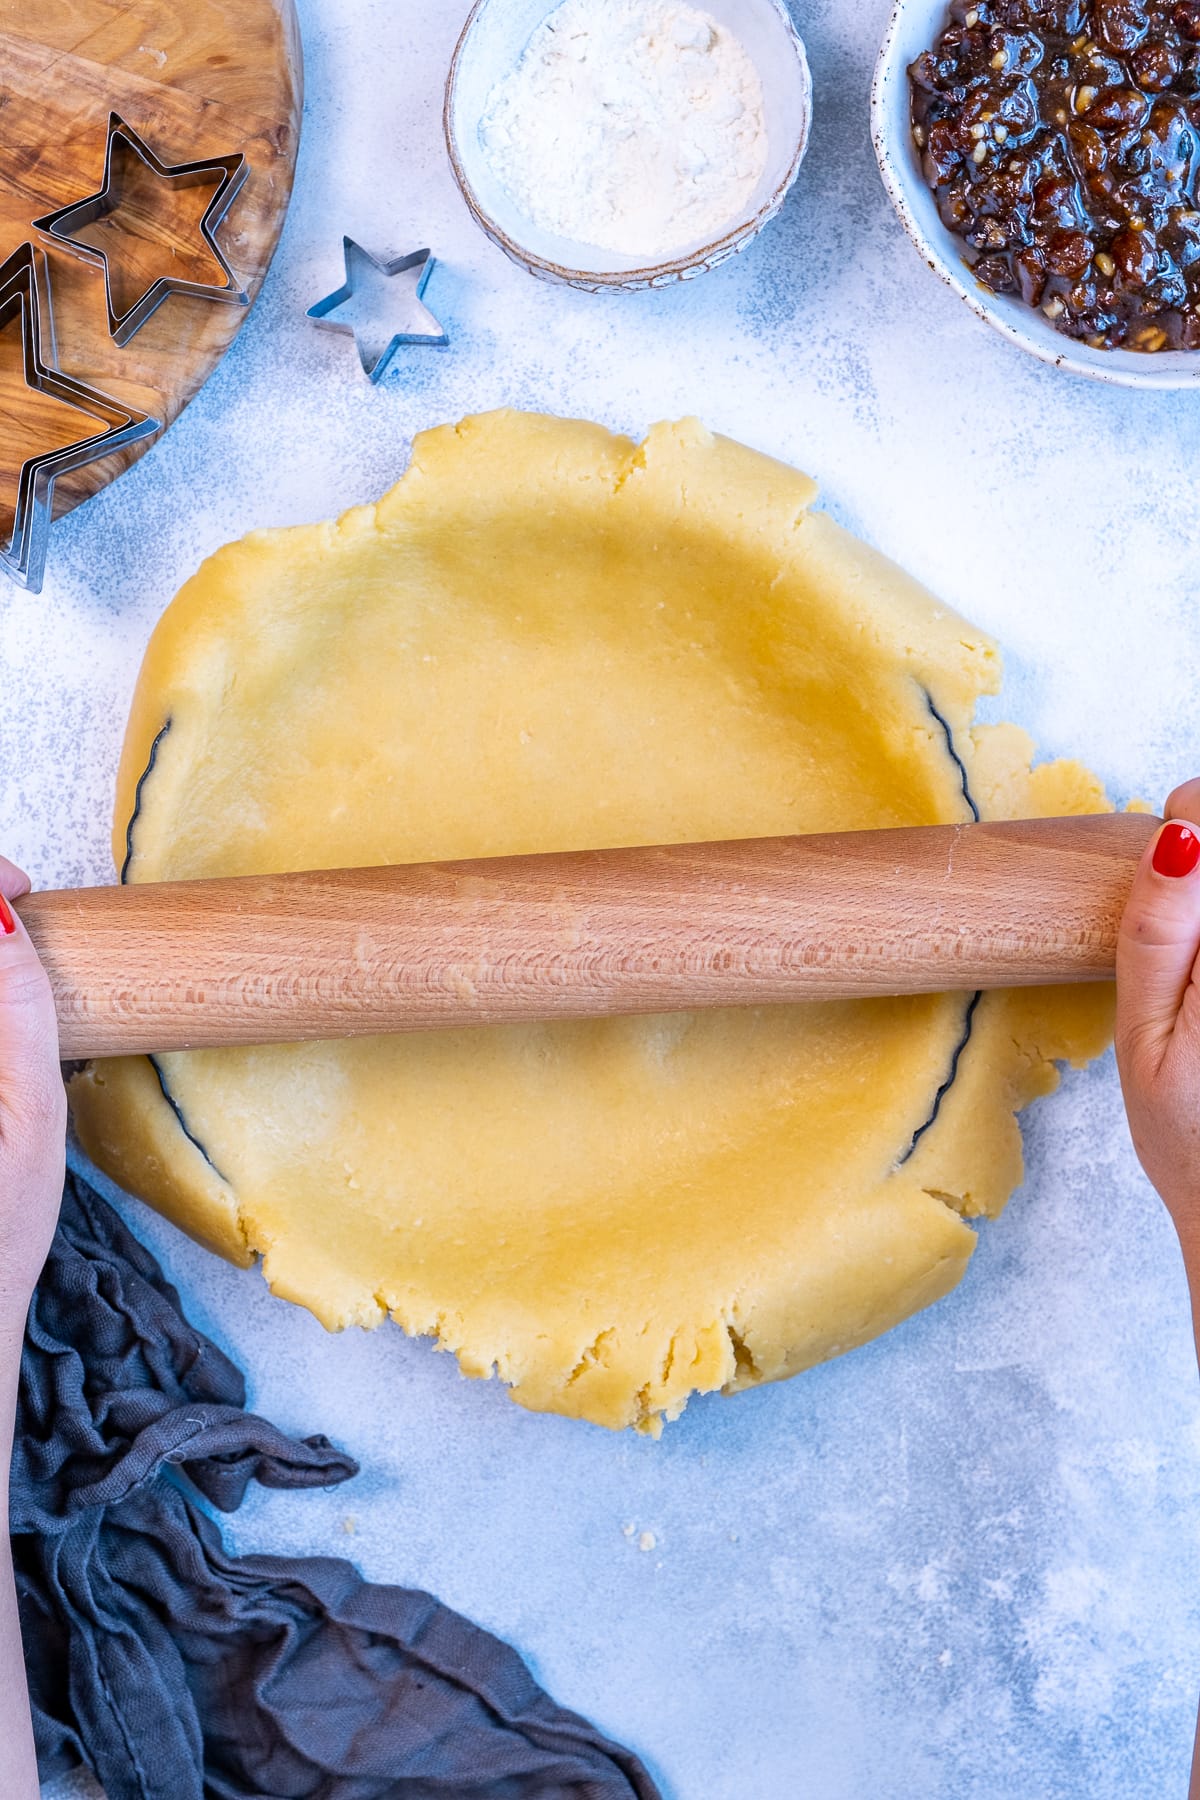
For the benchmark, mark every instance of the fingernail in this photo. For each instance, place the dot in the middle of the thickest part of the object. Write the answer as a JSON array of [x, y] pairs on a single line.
[[7, 923], [1177, 851]]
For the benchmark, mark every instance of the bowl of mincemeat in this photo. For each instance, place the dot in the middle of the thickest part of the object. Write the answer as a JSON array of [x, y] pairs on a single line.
[[1044, 158]]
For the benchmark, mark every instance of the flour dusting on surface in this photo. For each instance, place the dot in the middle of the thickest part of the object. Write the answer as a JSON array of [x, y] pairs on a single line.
[[633, 125], [1041, 1423]]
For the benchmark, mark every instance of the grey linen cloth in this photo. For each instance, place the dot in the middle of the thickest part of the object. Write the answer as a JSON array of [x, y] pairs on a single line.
[[174, 1670]]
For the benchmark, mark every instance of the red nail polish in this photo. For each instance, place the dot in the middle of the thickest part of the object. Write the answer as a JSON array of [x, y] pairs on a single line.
[[7, 923], [1177, 851]]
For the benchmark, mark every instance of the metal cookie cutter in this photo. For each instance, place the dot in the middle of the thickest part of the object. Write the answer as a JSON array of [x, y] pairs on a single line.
[[25, 297], [61, 226], [400, 317]]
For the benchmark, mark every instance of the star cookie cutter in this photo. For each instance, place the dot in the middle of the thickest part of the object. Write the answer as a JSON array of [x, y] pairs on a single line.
[[61, 226], [25, 295], [378, 344]]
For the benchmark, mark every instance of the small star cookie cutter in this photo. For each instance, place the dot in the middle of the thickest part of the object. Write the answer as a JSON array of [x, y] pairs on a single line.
[[378, 343], [25, 295], [62, 226]]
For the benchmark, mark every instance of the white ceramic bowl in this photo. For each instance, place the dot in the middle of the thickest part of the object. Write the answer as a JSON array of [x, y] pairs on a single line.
[[913, 26], [492, 43]]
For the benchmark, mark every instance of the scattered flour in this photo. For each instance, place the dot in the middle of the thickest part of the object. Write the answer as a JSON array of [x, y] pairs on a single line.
[[632, 125]]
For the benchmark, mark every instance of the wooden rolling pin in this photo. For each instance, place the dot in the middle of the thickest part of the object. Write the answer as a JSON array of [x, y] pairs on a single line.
[[278, 958]]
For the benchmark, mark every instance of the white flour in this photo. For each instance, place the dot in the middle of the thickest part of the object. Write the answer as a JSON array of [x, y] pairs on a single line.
[[633, 125]]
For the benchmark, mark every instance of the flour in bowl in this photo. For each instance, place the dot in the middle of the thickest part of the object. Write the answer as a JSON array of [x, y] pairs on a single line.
[[632, 125]]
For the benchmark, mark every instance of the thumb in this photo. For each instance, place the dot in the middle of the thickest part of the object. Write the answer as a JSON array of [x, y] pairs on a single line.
[[1157, 950], [29, 1080]]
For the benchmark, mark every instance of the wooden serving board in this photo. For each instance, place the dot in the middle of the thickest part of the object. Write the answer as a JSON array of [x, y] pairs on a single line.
[[195, 78]]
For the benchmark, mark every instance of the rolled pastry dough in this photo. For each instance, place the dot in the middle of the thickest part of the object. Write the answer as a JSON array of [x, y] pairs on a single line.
[[547, 637]]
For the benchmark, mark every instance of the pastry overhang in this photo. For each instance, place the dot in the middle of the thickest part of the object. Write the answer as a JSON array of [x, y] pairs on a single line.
[[547, 637]]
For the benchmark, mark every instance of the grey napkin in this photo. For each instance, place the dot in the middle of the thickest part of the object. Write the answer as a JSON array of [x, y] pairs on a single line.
[[175, 1671]]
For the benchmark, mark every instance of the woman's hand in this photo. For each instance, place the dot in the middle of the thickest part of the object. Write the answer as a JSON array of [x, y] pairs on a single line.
[[33, 1112], [1158, 1033], [33, 1120], [1158, 1015]]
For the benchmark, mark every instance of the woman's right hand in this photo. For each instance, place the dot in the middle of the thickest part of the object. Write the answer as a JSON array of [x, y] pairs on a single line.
[[1158, 1033]]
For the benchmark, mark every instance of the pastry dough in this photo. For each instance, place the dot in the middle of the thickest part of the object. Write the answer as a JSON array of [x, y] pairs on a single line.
[[545, 638]]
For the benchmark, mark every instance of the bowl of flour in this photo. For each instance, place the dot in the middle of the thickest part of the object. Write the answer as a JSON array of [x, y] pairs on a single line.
[[625, 144]]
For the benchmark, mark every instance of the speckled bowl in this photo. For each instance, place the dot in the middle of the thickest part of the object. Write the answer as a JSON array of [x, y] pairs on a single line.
[[914, 25], [492, 42]]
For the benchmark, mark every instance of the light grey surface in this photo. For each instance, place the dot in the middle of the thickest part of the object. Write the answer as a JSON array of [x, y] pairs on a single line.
[[79, 1786], [961, 1564]]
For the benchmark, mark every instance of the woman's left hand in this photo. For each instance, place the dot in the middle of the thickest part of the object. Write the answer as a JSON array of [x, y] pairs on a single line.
[[33, 1111]]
